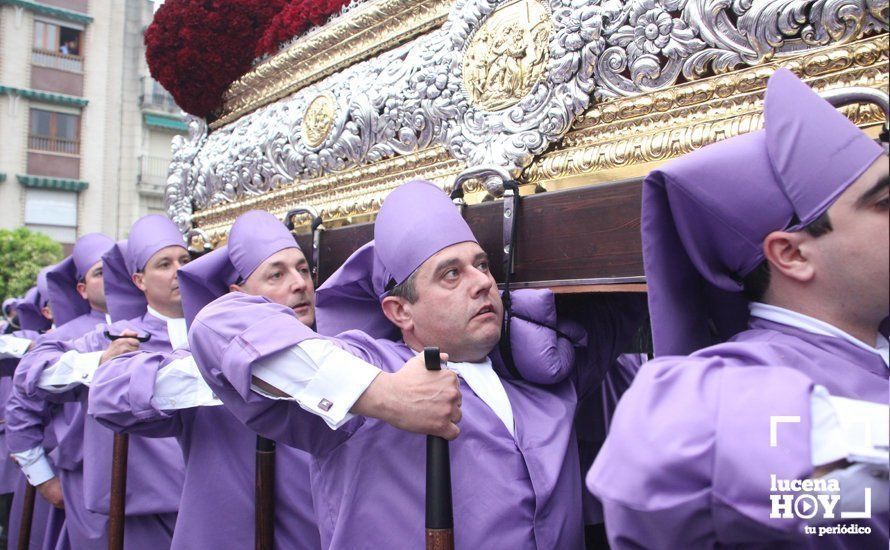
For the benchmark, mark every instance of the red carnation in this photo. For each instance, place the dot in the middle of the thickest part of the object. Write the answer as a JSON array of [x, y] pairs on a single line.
[[197, 48], [294, 19]]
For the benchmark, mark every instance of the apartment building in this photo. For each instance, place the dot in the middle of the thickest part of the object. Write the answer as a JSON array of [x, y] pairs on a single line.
[[84, 131]]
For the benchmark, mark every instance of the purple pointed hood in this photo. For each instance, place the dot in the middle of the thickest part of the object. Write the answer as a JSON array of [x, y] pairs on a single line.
[[62, 279], [28, 309], [8, 305], [148, 235], [705, 215], [416, 221], [255, 236]]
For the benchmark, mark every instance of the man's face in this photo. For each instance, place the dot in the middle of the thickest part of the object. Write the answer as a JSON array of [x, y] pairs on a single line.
[[284, 278], [458, 306], [853, 259], [92, 288], [158, 280]]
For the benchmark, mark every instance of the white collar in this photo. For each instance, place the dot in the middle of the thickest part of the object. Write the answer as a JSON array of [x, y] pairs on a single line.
[[812, 325], [486, 384], [176, 329]]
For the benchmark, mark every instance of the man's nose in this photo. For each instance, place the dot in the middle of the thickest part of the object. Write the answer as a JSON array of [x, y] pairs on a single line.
[[481, 282], [298, 282]]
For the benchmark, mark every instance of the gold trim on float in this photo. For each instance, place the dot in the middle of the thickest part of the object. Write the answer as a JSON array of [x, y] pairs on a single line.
[[628, 137], [615, 140], [369, 29]]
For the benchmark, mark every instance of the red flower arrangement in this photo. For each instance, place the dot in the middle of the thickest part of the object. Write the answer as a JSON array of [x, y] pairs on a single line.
[[294, 19], [197, 48]]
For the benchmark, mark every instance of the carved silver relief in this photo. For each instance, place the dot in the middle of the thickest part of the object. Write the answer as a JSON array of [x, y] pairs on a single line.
[[417, 95]]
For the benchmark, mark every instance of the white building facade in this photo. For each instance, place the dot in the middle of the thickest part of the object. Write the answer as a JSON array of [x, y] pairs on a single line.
[[84, 131]]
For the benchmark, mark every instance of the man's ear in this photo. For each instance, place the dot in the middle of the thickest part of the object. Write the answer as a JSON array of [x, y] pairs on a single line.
[[137, 280], [47, 312], [398, 311], [235, 288], [787, 253], [82, 290]]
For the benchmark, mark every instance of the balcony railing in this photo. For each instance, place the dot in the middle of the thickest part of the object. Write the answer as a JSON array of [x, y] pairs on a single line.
[[54, 145], [153, 172], [160, 101], [56, 60]]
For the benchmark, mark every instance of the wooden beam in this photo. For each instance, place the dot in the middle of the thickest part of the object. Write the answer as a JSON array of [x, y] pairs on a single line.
[[577, 240]]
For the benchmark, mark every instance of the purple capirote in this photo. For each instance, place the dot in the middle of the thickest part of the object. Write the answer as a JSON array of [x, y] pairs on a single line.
[[705, 215], [62, 279], [28, 309], [416, 221], [255, 236]]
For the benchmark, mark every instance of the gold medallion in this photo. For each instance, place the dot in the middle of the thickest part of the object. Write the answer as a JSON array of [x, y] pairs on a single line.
[[318, 120], [507, 55]]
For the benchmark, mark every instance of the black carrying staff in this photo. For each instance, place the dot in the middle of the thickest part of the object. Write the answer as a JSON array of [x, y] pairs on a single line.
[[27, 516], [439, 512], [118, 497]]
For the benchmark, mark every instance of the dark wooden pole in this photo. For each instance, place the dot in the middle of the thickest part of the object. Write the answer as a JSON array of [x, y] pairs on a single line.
[[117, 506], [439, 512], [264, 508], [27, 517]]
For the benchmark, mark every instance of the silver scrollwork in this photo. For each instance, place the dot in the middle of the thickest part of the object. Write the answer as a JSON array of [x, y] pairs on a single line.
[[415, 96]]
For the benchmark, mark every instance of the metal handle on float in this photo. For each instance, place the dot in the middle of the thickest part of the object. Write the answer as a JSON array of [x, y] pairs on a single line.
[[317, 229], [862, 94]]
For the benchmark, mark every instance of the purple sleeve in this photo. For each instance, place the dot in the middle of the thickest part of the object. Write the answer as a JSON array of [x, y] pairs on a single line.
[[233, 332], [121, 392], [542, 353], [688, 460], [46, 353], [26, 418]]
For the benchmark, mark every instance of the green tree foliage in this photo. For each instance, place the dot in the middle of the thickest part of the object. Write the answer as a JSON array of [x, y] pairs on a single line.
[[22, 254]]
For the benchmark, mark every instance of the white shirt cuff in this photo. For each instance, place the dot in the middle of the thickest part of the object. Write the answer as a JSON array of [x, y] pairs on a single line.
[[850, 429], [13, 347], [34, 465], [72, 369], [180, 385], [324, 379]]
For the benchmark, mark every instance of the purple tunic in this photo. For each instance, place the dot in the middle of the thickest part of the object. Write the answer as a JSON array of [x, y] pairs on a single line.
[[368, 477], [155, 468], [31, 415], [47, 521], [217, 507], [699, 474]]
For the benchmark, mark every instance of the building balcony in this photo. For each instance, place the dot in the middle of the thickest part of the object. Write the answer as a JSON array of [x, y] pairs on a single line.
[[152, 176], [155, 98], [53, 145], [57, 60]]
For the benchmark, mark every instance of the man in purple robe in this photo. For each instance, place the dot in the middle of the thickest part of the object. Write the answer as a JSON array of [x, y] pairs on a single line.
[[143, 300], [36, 319], [423, 281], [158, 394], [76, 294], [776, 244]]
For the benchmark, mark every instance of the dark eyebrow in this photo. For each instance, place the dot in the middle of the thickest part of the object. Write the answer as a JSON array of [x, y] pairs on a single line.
[[480, 256], [277, 265], [444, 264], [877, 188]]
